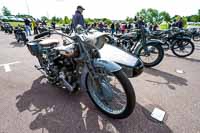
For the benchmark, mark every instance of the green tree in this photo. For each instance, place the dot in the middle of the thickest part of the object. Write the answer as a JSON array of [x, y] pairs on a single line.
[[5, 11], [44, 18], [66, 20], [23, 16], [166, 17], [194, 18], [129, 20]]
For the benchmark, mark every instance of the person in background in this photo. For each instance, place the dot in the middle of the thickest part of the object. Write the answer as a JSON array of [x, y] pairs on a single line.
[[174, 24], [155, 27], [44, 23], [129, 27], [117, 27], [78, 18], [34, 25], [27, 26], [112, 28], [123, 28], [53, 25], [101, 26], [180, 23], [140, 23]]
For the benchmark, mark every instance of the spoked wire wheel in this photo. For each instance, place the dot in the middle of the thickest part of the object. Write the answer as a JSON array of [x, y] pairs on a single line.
[[113, 94], [151, 55], [182, 48]]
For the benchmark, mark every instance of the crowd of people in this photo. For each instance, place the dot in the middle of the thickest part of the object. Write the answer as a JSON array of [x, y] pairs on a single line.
[[115, 28]]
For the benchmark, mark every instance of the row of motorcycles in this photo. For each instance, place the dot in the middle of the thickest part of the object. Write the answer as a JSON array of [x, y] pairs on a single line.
[[149, 46], [102, 64]]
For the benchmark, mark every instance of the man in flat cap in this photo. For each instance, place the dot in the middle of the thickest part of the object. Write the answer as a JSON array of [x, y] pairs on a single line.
[[78, 18]]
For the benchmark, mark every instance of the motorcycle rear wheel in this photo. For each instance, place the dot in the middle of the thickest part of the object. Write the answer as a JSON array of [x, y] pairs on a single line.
[[179, 48]]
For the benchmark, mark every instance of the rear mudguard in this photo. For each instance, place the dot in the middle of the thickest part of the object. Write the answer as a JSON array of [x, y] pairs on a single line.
[[107, 65], [150, 42]]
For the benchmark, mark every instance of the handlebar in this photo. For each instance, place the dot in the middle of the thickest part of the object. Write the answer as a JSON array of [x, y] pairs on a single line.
[[50, 32]]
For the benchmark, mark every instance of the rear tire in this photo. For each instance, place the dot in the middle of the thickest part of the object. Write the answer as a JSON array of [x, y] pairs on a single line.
[[175, 46], [129, 92]]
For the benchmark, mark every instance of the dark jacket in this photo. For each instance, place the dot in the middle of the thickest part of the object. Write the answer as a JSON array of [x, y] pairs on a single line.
[[27, 22], [140, 24], [77, 20], [180, 24]]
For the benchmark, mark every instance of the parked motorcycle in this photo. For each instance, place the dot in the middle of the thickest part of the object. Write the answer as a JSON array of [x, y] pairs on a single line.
[[42, 28], [20, 34], [135, 42], [8, 28], [66, 29], [176, 40], [81, 63]]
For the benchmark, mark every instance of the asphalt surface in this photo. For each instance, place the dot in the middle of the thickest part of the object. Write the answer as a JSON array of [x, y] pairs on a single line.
[[28, 104]]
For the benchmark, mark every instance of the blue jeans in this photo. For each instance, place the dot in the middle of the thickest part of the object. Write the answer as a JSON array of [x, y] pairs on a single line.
[[28, 30]]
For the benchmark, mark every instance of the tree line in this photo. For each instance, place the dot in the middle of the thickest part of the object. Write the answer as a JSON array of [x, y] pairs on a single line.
[[149, 15]]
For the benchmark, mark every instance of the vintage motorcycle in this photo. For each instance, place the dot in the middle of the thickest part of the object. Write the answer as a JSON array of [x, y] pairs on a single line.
[[136, 43], [20, 34], [175, 39], [86, 62]]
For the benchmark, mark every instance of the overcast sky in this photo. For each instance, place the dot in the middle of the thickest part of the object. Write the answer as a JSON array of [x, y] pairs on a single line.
[[113, 9]]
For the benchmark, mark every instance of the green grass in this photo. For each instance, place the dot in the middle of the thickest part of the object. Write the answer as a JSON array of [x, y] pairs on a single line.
[[14, 24]]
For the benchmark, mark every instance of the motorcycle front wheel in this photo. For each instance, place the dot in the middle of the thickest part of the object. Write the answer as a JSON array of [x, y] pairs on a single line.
[[114, 95], [151, 54], [196, 37]]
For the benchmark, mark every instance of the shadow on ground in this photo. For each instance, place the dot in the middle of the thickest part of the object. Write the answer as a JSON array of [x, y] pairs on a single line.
[[187, 58], [17, 44], [59, 112], [171, 80]]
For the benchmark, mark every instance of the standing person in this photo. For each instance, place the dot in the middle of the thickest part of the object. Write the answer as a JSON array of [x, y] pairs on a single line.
[[112, 28], [140, 23], [117, 27], [53, 25], [174, 24], [100, 26], [27, 26], [34, 25], [123, 28], [77, 18], [180, 23], [129, 27], [155, 27]]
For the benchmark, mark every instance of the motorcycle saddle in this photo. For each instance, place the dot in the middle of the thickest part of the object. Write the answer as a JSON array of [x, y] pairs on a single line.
[[49, 42]]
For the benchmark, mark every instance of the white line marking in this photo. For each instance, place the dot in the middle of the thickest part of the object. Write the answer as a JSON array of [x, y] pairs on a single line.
[[7, 66]]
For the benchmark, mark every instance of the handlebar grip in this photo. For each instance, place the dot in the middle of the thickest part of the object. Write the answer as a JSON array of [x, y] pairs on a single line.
[[42, 34]]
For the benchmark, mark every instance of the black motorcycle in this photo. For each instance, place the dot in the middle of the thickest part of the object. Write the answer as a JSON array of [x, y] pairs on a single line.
[[20, 34], [8, 28], [135, 42], [177, 40], [79, 64]]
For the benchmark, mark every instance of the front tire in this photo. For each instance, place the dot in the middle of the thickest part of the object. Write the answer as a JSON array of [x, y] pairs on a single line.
[[153, 50], [129, 93], [196, 37]]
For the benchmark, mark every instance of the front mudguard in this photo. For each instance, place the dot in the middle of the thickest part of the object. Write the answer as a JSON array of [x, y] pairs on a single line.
[[183, 38], [150, 42], [107, 65]]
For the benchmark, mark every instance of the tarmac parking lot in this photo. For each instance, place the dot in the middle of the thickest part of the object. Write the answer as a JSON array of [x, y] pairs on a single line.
[[28, 104]]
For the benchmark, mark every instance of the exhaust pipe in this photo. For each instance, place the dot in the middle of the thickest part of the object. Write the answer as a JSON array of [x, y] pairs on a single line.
[[69, 87]]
